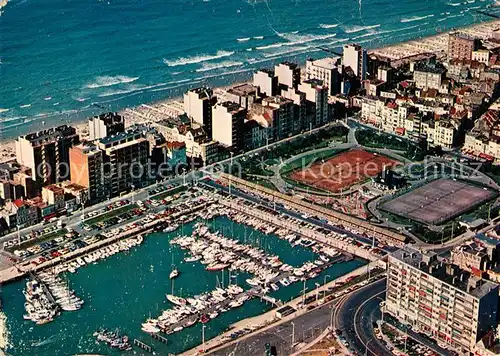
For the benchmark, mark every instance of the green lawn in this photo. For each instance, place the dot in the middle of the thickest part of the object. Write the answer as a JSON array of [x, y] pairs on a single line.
[[50, 236], [173, 191], [111, 214]]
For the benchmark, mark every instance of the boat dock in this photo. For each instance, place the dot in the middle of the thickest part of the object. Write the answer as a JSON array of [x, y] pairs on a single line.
[[143, 346], [46, 290], [302, 231], [255, 292]]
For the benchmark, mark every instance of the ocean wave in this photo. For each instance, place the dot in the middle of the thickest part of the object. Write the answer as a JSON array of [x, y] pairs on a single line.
[[450, 17], [3, 110], [295, 39], [56, 103], [416, 18], [328, 26], [453, 3], [274, 45], [47, 98], [25, 106], [354, 29], [402, 28], [107, 81], [287, 52], [10, 119], [81, 100], [258, 37], [243, 39], [212, 66], [196, 59]]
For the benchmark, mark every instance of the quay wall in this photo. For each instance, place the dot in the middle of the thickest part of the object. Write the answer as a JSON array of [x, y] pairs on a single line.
[[331, 215], [18, 271]]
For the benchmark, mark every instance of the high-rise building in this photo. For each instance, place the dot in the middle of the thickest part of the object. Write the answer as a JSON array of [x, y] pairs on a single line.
[[46, 152], [228, 121], [355, 57], [266, 81], [316, 102], [86, 161], [437, 298], [461, 46], [242, 94], [106, 124], [198, 105], [327, 70], [125, 161], [299, 101], [288, 74], [284, 115]]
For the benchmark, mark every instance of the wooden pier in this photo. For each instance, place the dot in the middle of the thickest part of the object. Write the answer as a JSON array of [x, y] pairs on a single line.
[[143, 346]]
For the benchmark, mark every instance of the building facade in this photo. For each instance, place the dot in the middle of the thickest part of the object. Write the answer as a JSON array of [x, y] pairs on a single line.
[[355, 57], [125, 157], [87, 168], [266, 81], [46, 153], [228, 124], [198, 105], [288, 74], [461, 46], [106, 124], [448, 304], [326, 70]]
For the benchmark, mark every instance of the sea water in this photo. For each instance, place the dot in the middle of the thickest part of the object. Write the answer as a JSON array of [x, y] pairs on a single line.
[[122, 291], [63, 60]]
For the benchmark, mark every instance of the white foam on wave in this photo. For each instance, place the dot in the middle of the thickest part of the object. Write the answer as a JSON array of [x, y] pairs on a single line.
[[295, 39], [416, 18], [323, 25], [274, 45], [212, 66], [354, 29], [196, 59], [289, 51], [450, 17], [25, 106], [258, 37], [108, 81], [453, 4], [402, 28], [243, 39], [3, 110]]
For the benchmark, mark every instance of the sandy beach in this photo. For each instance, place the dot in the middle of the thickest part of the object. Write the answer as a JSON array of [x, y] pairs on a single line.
[[171, 107]]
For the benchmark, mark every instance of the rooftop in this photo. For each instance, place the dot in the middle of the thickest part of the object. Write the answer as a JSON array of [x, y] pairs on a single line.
[[327, 63], [243, 89], [431, 264]]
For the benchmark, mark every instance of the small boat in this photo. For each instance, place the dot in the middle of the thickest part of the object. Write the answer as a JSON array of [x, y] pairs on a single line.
[[179, 328], [192, 258], [204, 319], [174, 273], [274, 286]]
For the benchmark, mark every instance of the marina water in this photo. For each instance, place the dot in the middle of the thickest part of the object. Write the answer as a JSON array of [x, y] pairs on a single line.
[[64, 60], [122, 291]]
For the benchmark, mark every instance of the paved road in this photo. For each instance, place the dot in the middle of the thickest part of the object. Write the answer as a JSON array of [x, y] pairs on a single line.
[[355, 317], [307, 328]]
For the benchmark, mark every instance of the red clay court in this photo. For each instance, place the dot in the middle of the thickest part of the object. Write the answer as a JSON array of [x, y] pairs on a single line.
[[343, 170]]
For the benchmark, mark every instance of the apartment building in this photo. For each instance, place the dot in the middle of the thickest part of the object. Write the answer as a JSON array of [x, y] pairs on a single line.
[[228, 121], [284, 116], [448, 304], [86, 161], [355, 57], [106, 124], [125, 157], [428, 76], [46, 153], [316, 101], [288, 74], [461, 46], [325, 69], [198, 103], [299, 100], [266, 81]]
